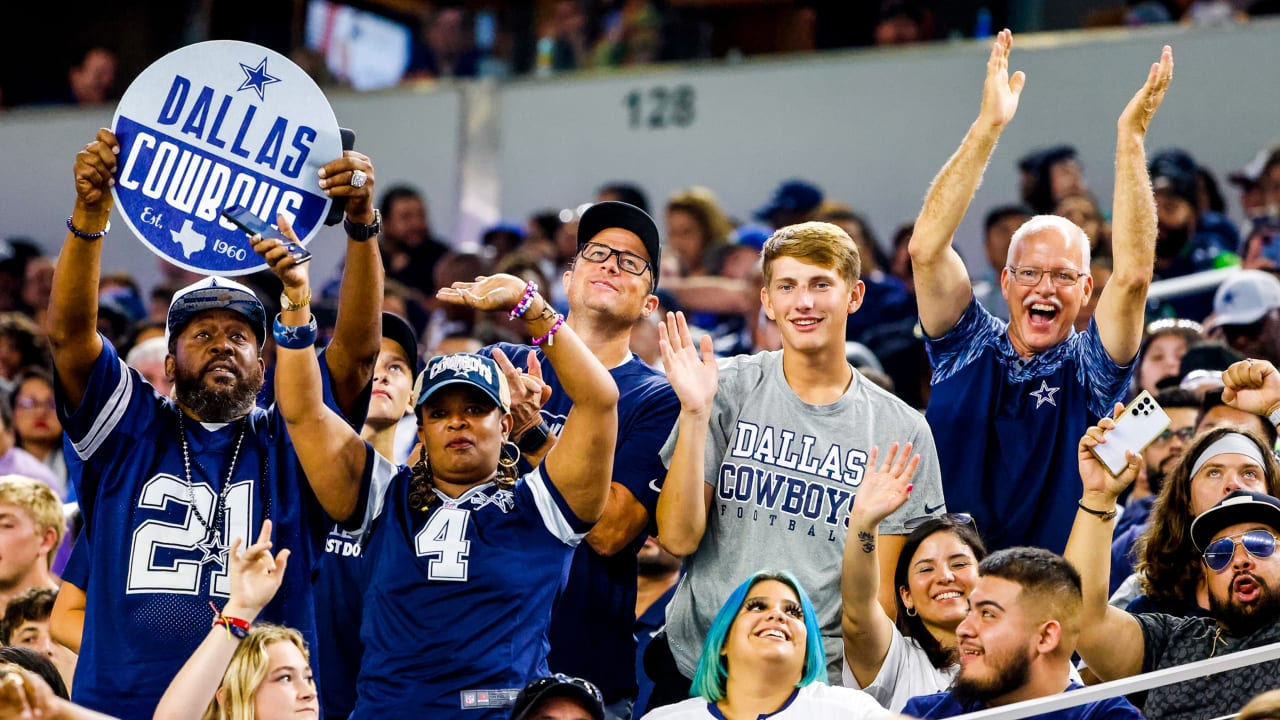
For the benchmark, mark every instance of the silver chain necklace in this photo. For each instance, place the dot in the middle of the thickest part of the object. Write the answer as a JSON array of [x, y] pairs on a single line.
[[220, 508]]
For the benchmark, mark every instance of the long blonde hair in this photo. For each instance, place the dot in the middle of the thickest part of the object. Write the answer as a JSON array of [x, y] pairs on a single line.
[[246, 671]]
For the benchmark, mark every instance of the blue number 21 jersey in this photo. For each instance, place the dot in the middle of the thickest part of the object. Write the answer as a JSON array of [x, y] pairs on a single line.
[[154, 565]]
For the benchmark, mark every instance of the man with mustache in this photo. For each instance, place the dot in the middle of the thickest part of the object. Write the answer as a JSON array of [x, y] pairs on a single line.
[[1235, 539], [1011, 396], [1016, 642], [165, 484]]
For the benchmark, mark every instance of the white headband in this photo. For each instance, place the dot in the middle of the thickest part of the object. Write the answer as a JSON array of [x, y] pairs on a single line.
[[1231, 443]]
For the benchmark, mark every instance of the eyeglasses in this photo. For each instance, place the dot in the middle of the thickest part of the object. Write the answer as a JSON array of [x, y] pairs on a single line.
[[1062, 277], [537, 687], [955, 518], [630, 262], [30, 403], [1184, 434], [1259, 543]]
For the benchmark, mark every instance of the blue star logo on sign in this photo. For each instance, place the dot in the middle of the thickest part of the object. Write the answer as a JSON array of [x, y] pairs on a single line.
[[257, 78]]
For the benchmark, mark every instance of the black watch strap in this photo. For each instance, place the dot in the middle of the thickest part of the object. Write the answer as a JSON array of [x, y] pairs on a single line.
[[534, 438], [357, 231]]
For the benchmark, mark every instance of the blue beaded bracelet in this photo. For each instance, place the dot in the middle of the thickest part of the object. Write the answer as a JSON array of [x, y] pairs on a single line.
[[87, 235], [295, 337]]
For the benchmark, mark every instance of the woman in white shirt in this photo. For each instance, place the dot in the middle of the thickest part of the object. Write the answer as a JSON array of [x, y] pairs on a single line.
[[763, 657], [937, 569]]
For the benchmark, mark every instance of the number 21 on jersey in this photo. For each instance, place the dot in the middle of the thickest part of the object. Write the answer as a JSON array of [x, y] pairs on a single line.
[[443, 541]]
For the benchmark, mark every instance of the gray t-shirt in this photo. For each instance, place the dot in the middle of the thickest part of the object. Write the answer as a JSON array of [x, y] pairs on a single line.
[[783, 474], [1169, 641]]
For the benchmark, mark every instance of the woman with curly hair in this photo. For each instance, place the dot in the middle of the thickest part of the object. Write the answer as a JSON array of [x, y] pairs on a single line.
[[465, 557]]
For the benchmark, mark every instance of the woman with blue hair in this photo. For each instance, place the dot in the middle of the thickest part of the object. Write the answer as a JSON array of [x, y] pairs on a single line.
[[763, 657]]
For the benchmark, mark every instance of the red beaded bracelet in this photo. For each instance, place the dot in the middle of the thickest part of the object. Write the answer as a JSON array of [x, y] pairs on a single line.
[[235, 626]]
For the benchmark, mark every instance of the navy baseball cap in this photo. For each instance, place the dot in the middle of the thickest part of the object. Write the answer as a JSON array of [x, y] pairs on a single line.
[[1239, 506], [535, 693], [397, 330], [614, 214], [478, 371], [216, 293], [791, 196]]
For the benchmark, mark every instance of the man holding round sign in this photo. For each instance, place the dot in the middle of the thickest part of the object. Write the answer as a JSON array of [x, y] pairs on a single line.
[[165, 484]]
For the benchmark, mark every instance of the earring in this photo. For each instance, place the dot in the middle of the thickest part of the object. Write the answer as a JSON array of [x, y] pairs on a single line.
[[421, 467], [509, 459], [911, 612]]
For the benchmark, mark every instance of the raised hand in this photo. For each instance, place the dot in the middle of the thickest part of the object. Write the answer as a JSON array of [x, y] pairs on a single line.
[[293, 275], [885, 487], [1096, 480], [336, 177], [528, 392], [255, 574], [1143, 105], [495, 292], [1000, 92], [692, 375], [1252, 386], [95, 168]]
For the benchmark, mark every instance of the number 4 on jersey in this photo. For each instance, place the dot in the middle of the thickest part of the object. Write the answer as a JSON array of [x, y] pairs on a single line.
[[444, 542]]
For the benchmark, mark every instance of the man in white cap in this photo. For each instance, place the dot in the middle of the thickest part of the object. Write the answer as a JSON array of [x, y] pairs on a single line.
[[1246, 314], [165, 484]]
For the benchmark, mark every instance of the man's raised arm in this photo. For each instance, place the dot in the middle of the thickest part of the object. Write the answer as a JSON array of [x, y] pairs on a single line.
[[357, 334], [942, 282], [73, 304], [1122, 307]]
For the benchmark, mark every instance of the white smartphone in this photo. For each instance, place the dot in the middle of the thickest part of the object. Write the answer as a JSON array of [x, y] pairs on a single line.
[[1142, 422]]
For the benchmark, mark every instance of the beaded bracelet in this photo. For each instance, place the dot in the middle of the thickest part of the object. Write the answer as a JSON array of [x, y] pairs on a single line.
[[295, 337], [235, 626], [87, 235], [548, 337], [522, 307]]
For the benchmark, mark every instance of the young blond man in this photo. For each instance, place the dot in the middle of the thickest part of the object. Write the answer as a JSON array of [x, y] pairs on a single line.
[[770, 449]]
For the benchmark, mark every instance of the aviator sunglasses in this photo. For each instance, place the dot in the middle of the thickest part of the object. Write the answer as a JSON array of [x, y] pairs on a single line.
[[1258, 543]]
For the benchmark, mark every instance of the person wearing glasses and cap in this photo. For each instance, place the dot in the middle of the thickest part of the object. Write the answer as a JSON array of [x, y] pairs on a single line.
[[465, 555], [610, 285], [1233, 536], [559, 697], [165, 483], [1011, 396]]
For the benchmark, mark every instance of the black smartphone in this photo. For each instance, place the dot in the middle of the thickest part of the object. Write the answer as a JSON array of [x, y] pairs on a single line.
[[338, 207], [253, 225]]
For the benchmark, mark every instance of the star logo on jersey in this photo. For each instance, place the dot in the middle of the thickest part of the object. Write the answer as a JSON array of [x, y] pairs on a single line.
[[257, 78], [1045, 394], [214, 551]]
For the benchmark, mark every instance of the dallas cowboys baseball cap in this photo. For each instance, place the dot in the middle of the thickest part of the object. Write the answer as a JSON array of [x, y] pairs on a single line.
[[478, 371], [1240, 506], [535, 693], [397, 330], [1245, 298], [216, 293], [615, 214]]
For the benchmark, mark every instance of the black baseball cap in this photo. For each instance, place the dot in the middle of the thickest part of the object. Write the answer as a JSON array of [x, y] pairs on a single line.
[[1240, 506], [614, 214], [558, 685], [397, 330]]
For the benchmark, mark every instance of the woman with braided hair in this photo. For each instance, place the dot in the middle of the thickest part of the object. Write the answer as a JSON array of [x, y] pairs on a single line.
[[465, 559]]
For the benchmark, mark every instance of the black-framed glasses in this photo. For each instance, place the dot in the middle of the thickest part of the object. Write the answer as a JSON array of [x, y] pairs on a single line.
[[1028, 275], [1258, 543], [597, 253], [956, 518], [1184, 434]]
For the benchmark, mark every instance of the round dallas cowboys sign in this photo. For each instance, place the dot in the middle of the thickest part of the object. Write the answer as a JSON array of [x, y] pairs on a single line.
[[217, 124]]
